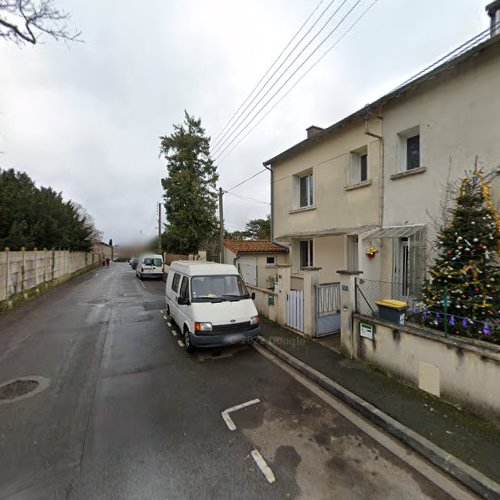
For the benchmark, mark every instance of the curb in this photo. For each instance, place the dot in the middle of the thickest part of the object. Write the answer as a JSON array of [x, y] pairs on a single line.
[[472, 478]]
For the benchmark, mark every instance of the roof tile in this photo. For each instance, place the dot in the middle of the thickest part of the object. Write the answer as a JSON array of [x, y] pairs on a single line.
[[254, 246]]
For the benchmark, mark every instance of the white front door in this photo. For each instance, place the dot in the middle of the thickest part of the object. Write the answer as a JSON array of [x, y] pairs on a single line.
[[248, 269], [402, 268]]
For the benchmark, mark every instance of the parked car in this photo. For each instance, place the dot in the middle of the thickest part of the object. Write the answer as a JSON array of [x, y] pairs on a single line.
[[133, 262], [149, 266], [210, 304]]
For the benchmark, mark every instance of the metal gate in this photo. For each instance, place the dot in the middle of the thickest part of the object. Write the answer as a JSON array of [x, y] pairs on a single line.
[[327, 309], [295, 310]]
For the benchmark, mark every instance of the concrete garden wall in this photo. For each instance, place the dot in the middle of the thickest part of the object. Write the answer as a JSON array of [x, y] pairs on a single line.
[[263, 297], [25, 274], [458, 369]]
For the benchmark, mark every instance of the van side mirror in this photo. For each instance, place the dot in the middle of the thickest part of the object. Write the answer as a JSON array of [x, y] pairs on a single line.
[[253, 295], [183, 301]]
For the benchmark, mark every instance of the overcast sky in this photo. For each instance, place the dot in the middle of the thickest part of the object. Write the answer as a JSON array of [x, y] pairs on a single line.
[[86, 119]]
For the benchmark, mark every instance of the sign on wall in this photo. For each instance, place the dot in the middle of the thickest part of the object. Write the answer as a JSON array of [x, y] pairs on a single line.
[[366, 330]]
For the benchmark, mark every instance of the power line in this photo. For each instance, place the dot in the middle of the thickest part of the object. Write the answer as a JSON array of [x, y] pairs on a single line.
[[267, 72], [247, 198], [288, 79], [246, 180], [475, 40], [283, 73], [301, 78], [275, 71]]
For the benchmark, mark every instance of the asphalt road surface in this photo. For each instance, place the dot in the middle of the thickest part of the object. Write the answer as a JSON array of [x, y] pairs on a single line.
[[128, 414]]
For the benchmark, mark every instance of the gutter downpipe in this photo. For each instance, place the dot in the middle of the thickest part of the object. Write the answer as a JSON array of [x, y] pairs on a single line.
[[272, 203], [381, 166]]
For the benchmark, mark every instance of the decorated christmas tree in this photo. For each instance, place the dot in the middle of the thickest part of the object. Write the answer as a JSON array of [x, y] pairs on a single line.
[[461, 295]]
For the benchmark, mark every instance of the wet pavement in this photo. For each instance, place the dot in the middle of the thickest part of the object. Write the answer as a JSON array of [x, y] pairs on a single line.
[[129, 414]]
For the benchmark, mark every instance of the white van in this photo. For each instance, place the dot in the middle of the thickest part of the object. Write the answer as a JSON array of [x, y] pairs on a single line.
[[149, 266], [210, 304]]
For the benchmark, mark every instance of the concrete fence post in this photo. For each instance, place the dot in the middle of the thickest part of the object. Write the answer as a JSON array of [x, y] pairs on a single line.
[[53, 264], [347, 300], [45, 266], [311, 281], [7, 273], [284, 285], [36, 265], [23, 270]]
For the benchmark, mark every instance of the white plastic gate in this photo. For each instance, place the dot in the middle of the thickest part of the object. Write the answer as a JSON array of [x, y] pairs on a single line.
[[327, 309], [295, 310]]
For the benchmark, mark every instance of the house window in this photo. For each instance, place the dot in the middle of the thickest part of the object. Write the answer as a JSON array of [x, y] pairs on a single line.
[[413, 152], [358, 168], [270, 260], [304, 189], [410, 149], [306, 253]]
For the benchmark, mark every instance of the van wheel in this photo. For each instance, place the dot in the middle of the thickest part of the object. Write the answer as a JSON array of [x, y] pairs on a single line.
[[187, 342]]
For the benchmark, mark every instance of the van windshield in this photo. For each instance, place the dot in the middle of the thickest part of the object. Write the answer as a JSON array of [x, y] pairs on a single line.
[[148, 261], [218, 288]]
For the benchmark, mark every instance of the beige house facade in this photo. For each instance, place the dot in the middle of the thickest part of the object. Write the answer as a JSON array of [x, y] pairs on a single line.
[[325, 197], [378, 178]]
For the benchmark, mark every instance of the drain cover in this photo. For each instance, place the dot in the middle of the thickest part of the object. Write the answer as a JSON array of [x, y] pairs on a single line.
[[22, 388], [17, 388]]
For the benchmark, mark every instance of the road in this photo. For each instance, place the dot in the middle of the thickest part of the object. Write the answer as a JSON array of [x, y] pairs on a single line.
[[128, 414]]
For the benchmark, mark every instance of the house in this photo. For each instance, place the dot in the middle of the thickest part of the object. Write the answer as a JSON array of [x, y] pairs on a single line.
[[103, 249], [256, 260], [377, 177]]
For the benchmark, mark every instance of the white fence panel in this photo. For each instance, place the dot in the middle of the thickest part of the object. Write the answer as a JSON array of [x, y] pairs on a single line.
[[295, 310]]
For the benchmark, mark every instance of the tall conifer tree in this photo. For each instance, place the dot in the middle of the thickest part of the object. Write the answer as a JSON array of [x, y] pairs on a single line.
[[190, 187]]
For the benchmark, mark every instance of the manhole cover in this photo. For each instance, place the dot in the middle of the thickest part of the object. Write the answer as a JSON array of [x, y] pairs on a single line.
[[22, 388], [17, 388]]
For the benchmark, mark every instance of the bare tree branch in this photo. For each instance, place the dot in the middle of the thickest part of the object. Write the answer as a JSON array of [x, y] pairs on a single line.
[[26, 21]]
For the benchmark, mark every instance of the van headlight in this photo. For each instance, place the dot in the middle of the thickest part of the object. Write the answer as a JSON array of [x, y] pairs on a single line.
[[203, 326], [254, 320]]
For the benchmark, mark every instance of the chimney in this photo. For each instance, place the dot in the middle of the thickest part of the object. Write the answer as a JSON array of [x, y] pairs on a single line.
[[313, 130], [493, 10]]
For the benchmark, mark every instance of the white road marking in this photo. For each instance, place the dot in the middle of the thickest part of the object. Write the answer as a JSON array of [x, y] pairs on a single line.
[[174, 333], [162, 311], [415, 461], [225, 414], [168, 323], [164, 317], [142, 284], [264, 468], [181, 343]]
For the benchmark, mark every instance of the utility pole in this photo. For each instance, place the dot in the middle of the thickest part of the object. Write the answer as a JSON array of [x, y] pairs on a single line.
[[221, 224], [159, 228]]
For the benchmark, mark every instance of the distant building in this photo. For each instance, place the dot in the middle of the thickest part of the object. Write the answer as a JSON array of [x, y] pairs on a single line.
[[102, 248], [256, 260]]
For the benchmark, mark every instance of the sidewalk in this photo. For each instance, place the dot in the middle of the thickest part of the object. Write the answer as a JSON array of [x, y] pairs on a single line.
[[470, 439]]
